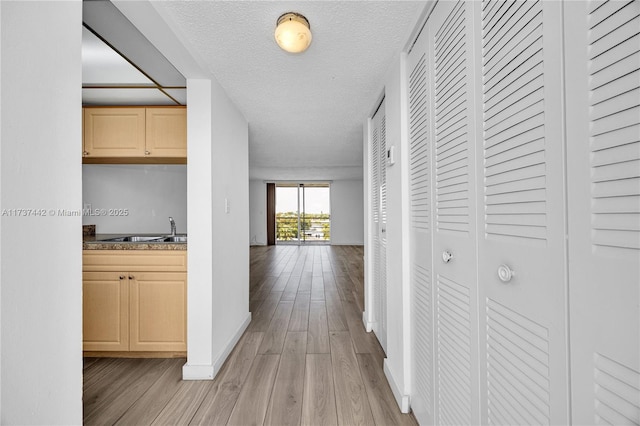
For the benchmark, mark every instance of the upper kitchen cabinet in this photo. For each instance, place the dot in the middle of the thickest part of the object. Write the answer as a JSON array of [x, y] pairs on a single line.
[[166, 132], [135, 135], [114, 132]]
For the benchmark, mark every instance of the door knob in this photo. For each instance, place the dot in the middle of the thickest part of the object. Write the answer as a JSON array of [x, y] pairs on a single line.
[[122, 277], [447, 256], [505, 273]]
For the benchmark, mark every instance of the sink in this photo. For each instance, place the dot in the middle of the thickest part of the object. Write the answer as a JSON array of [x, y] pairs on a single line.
[[141, 239], [148, 239], [175, 239], [136, 239]]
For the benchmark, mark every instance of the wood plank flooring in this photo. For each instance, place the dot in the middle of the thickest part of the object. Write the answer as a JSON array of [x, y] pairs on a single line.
[[305, 359]]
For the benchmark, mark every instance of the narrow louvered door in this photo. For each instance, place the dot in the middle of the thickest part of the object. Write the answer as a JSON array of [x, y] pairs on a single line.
[[603, 177], [381, 331], [454, 232], [420, 233], [375, 215], [521, 242], [379, 205]]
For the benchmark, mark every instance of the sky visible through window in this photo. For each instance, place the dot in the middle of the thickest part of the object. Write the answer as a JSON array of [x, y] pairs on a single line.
[[316, 200]]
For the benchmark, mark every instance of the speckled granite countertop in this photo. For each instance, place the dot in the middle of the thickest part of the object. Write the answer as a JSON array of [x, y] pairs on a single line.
[[96, 242]]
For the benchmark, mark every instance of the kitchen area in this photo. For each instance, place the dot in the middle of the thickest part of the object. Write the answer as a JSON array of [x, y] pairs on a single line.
[[134, 252], [134, 193]]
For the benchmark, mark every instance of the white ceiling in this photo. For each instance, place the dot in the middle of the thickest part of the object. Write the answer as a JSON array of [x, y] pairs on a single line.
[[305, 111]]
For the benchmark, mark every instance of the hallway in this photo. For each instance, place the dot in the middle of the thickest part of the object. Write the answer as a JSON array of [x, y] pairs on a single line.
[[305, 358]]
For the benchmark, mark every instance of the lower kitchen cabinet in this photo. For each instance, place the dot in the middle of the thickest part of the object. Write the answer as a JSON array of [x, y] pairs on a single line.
[[157, 309], [141, 308], [105, 311]]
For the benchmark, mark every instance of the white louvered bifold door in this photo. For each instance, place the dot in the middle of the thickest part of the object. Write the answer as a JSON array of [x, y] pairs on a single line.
[[603, 177], [420, 233], [379, 206], [381, 331], [522, 240], [375, 215], [454, 230]]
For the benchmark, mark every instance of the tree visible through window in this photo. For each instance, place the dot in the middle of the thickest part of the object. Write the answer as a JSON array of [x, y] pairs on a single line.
[[302, 213]]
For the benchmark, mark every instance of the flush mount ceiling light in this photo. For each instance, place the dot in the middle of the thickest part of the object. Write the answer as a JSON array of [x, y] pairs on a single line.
[[293, 32]]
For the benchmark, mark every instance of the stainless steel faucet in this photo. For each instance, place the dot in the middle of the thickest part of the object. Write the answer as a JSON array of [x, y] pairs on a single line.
[[173, 226]]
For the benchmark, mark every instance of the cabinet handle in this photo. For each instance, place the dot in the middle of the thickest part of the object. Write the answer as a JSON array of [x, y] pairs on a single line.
[[85, 153], [122, 277], [447, 256], [505, 273], [131, 277], [147, 153]]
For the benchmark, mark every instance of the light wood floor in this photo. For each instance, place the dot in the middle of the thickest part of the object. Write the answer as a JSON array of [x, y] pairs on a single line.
[[305, 358]]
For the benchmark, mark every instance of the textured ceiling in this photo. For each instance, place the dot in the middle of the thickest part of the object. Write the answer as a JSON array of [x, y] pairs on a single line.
[[305, 111]]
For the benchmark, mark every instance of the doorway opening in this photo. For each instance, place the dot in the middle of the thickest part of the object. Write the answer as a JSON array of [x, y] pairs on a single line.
[[303, 213]]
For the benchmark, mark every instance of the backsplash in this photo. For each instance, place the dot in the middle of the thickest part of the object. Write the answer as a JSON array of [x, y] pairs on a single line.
[[134, 198]]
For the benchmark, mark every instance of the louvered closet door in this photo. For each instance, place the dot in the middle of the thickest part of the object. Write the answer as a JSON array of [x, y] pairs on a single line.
[[603, 175], [381, 333], [379, 186], [523, 315], [454, 234], [420, 233], [375, 215]]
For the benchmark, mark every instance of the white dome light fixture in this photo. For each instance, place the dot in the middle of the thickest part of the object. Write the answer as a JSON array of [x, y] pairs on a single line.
[[293, 32]]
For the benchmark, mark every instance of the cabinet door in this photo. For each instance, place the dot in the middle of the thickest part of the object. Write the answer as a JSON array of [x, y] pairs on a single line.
[[166, 132], [158, 311], [134, 260], [114, 132], [105, 311]]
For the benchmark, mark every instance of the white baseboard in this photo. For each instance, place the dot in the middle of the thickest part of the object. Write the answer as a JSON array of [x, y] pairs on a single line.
[[197, 372], [358, 243], [208, 372], [401, 400], [224, 354], [368, 325]]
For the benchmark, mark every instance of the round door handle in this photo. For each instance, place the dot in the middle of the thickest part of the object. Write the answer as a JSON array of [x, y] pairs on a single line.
[[122, 277], [147, 153], [85, 153], [505, 273], [131, 277], [447, 256]]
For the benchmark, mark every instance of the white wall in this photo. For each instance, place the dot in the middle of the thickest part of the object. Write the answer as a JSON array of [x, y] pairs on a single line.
[[150, 193], [398, 273], [230, 219], [397, 362], [347, 212], [41, 257], [199, 199], [218, 210], [347, 208], [257, 211]]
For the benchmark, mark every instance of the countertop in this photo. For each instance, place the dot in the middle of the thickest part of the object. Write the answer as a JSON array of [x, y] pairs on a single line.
[[95, 242]]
